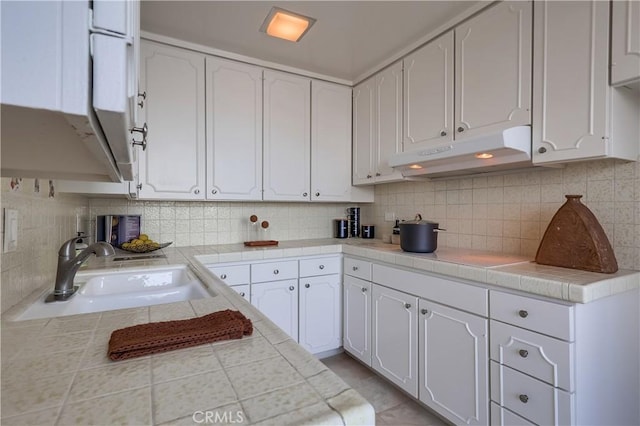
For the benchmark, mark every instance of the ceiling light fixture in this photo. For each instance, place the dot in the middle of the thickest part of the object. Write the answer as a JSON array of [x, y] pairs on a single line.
[[286, 25], [484, 155], [415, 166]]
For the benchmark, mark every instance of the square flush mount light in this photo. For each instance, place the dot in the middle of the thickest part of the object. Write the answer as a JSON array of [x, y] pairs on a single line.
[[287, 25]]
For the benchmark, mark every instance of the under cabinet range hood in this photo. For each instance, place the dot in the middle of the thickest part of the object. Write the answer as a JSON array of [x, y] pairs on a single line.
[[508, 149]]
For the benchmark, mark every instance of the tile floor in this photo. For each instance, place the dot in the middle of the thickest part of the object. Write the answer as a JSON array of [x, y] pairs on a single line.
[[393, 407]]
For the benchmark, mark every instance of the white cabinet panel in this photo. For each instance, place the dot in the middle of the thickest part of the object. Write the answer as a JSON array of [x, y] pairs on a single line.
[[625, 41], [278, 300], [232, 274], [320, 313], [243, 290], [394, 335], [453, 363], [287, 118], [330, 142], [364, 113], [271, 271], [357, 268], [173, 164], [493, 70], [428, 94], [320, 266], [234, 130], [357, 318]]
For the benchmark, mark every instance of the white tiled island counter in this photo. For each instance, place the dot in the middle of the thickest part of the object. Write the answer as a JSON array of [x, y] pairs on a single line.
[[56, 371]]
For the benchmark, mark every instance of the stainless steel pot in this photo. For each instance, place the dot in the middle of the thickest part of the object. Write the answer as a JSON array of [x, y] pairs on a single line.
[[419, 236]]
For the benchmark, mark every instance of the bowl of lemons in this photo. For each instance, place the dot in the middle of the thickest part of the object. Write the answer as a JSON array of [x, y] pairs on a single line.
[[142, 244]]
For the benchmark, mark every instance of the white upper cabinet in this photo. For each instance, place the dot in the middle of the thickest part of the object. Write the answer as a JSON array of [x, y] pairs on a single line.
[[625, 41], [330, 142], [234, 130], [173, 164], [493, 70], [428, 94], [287, 133], [377, 126], [578, 116]]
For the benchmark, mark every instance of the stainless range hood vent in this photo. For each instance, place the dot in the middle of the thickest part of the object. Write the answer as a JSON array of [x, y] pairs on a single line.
[[508, 149]]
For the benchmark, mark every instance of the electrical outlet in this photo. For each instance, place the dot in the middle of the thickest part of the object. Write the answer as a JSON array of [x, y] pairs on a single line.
[[10, 230], [389, 216]]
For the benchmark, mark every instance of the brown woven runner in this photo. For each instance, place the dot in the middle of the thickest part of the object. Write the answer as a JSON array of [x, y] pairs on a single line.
[[155, 337]]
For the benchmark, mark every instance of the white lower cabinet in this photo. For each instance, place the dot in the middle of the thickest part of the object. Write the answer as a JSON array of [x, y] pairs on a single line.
[[320, 313], [243, 290], [453, 363], [278, 300], [394, 337], [357, 317]]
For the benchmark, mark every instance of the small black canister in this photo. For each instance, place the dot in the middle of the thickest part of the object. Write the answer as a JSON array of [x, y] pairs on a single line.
[[368, 231], [340, 228]]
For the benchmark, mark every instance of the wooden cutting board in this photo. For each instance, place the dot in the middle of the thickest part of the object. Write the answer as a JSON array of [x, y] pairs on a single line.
[[575, 239]]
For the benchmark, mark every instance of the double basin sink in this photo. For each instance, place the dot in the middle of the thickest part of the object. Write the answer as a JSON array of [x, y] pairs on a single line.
[[106, 290]]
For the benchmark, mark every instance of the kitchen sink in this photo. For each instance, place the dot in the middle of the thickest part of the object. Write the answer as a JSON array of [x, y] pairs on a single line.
[[108, 289]]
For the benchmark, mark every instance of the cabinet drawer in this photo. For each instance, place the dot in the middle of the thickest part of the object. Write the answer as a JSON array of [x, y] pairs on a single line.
[[232, 274], [530, 398], [357, 268], [553, 319], [274, 271], [500, 416], [243, 290], [540, 356], [319, 266]]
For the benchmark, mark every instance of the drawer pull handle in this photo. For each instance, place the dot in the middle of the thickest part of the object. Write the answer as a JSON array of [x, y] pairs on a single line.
[[407, 305], [276, 272], [524, 398], [242, 293], [523, 353], [355, 268], [292, 288], [223, 276], [321, 266], [364, 289], [424, 312], [523, 313], [307, 285]]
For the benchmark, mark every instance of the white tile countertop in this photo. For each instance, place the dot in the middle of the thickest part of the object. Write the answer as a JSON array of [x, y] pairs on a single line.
[[56, 371]]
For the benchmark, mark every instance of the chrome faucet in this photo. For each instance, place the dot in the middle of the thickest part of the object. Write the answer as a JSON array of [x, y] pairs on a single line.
[[69, 263]]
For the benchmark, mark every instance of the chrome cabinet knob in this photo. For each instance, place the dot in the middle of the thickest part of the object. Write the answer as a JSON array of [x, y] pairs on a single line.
[[523, 353], [523, 313], [197, 191], [378, 174], [321, 266], [139, 186], [460, 129], [355, 268], [542, 150], [223, 276], [369, 176], [307, 285], [364, 289], [317, 194], [407, 305], [424, 311], [276, 272], [443, 133], [523, 398], [305, 194], [242, 293], [214, 191], [142, 95], [292, 288]]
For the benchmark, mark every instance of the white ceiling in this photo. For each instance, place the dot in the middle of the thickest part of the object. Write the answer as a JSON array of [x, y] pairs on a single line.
[[348, 39]]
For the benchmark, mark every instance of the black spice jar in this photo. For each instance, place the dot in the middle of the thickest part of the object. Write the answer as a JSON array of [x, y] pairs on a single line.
[[368, 231], [340, 228], [353, 214]]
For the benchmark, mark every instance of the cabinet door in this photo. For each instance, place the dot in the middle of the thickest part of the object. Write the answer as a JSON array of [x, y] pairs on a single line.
[[363, 131], [388, 140], [330, 142], [234, 130], [243, 290], [287, 133], [625, 41], [357, 318], [570, 77], [173, 164], [320, 313], [394, 337], [453, 350], [493, 70], [278, 301], [428, 95]]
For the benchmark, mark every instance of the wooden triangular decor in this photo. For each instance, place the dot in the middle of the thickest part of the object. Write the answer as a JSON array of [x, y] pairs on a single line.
[[574, 239]]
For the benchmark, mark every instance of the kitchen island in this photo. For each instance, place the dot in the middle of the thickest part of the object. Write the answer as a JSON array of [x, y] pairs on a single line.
[[55, 371]]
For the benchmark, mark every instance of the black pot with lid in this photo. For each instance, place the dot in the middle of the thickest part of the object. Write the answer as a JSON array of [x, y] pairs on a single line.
[[419, 236]]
